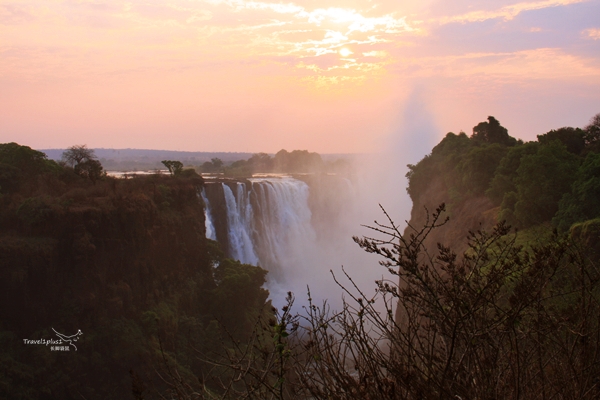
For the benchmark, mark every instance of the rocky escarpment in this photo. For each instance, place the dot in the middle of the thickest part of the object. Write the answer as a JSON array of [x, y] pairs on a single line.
[[471, 214]]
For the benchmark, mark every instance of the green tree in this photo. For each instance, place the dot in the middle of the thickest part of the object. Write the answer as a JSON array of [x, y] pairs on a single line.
[[91, 169], [174, 167], [478, 166], [592, 134], [238, 297], [18, 163], [572, 138], [492, 132], [217, 163], [543, 178], [83, 161], [583, 202], [22, 157], [261, 162], [504, 180]]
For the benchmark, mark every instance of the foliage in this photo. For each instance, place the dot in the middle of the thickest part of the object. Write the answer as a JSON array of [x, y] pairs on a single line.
[[466, 166], [91, 169], [583, 202], [22, 157], [174, 167], [238, 297], [504, 181], [492, 132], [297, 161], [496, 322], [20, 163], [83, 161], [572, 138], [526, 180], [592, 134], [478, 166], [125, 261], [542, 179]]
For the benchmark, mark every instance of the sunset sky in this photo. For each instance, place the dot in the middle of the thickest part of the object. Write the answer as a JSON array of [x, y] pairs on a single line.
[[329, 76]]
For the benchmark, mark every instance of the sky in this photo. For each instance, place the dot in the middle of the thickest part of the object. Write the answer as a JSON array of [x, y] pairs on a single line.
[[331, 76]]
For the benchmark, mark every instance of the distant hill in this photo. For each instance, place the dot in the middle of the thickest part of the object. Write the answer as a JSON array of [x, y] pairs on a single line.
[[131, 159], [139, 159]]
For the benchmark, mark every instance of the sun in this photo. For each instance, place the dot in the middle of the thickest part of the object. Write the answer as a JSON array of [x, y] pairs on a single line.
[[345, 52]]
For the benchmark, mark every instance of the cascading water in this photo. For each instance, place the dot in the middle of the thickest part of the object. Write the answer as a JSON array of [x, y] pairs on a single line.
[[298, 230], [208, 220], [284, 234], [268, 223], [239, 223]]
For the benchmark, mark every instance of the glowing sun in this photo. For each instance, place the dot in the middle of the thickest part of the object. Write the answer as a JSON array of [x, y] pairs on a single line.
[[345, 52]]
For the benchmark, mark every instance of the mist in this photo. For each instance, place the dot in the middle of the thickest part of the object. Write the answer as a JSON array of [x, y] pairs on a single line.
[[340, 207]]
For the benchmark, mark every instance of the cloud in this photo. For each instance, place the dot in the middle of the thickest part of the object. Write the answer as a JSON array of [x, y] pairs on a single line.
[[592, 33], [12, 14], [507, 12]]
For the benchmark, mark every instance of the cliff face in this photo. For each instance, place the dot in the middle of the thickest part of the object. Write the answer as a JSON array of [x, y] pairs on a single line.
[[123, 261], [472, 214]]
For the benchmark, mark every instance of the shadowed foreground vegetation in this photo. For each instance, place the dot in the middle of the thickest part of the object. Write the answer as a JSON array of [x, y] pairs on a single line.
[[499, 321], [468, 309], [126, 262]]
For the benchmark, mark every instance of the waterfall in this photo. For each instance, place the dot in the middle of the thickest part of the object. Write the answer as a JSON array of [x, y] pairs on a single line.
[[268, 223], [208, 219], [298, 230], [284, 223], [239, 224]]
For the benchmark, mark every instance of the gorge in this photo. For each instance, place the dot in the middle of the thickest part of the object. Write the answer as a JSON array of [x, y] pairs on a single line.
[[283, 224]]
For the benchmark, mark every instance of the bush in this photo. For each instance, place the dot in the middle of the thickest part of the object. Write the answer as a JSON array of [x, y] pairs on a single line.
[[499, 321]]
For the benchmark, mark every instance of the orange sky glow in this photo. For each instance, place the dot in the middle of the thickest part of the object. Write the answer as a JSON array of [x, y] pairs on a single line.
[[330, 76]]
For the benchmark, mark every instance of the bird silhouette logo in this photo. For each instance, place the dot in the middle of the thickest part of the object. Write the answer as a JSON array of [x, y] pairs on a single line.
[[69, 339]]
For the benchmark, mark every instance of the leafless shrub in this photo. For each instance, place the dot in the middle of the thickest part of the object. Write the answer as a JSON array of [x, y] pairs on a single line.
[[498, 322]]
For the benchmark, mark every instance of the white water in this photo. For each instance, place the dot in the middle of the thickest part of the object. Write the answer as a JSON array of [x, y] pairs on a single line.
[[239, 225], [208, 220], [270, 224]]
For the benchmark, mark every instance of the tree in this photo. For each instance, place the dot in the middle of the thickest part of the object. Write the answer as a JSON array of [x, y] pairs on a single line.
[[174, 167], [477, 167], [492, 132], [217, 163], [504, 180], [592, 134], [543, 178], [583, 202], [261, 162], [91, 169], [77, 154], [572, 138], [19, 162], [83, 161]]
